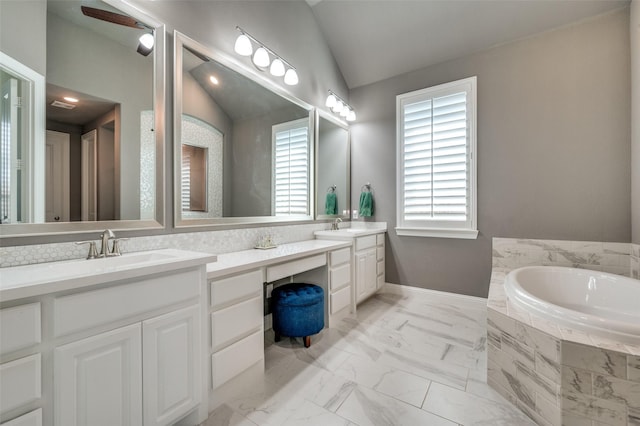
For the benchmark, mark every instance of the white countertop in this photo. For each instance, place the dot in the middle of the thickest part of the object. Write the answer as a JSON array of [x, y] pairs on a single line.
[[230, 263], [357, 229], [43, 278]]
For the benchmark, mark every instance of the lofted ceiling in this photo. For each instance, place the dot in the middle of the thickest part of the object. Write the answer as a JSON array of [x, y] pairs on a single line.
[[373, 40]]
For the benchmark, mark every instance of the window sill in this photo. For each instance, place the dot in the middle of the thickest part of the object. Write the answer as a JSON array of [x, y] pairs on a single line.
[[466, 234]]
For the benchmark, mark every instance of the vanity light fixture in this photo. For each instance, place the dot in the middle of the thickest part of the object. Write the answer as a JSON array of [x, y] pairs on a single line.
[[145, 45], [262, 55], [340, 107]]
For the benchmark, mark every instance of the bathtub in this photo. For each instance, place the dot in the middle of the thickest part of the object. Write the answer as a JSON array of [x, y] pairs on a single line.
[[595, 302]]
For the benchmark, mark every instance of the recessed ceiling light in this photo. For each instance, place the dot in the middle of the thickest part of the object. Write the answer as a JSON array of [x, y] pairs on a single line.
[[213, 79], [70, 99]]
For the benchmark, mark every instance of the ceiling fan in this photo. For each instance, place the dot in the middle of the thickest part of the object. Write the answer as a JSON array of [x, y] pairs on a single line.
[[145, 45], [115, 18]]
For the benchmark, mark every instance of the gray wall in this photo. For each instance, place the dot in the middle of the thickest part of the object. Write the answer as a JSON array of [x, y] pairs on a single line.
[[635, 120], [23, 32], [553, 149]]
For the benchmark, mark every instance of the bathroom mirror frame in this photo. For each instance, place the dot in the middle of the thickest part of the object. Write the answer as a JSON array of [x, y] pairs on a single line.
[[320, 215], [182, 41], [159, 82]]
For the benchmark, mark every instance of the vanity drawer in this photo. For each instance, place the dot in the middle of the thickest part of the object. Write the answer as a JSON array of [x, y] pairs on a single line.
[[380, 239], [380, 268], [93, 308], [233, 360], [229, 324], [33, 418], [365, 242], [20, 382], [19, 327], [341, 256], [284, 270], [340, 276], [340, 299], [235, 288]]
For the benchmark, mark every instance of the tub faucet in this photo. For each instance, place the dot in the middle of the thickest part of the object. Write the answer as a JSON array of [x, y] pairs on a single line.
[[334, 225], [105, 237]]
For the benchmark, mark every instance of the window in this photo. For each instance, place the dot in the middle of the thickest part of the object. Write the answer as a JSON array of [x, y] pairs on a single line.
[[291, 168], [436, 144]]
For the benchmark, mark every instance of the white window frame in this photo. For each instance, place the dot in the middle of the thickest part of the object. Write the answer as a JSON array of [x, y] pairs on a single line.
[[439, 228], [275, 129]]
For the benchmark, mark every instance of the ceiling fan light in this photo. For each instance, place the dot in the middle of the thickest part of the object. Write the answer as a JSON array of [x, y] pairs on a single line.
[[291, 77], [145, 45], [331, 100], [261, 58], [243, 45], [277, 68]]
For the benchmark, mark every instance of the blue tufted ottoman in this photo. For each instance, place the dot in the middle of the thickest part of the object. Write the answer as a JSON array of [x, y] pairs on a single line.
[[298, 311]]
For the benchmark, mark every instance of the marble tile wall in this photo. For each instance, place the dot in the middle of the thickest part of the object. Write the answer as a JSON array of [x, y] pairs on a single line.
[[524, 367], [511, 253], [217, 242], [556, 382]]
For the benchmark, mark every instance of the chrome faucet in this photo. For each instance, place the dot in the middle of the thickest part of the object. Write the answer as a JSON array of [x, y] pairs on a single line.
[[105, 237], [334, 225]]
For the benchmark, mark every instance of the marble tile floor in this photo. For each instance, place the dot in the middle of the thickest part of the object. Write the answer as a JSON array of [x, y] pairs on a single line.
[[409, 358]]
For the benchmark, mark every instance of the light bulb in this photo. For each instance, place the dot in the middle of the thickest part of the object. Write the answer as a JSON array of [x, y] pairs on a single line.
[[70, 99], [261, 57], [146, 40], [337, 108], [345, 111], [243, 45], [277, 68], [331, 100], [214, 80], [291, 77], [351, 116]]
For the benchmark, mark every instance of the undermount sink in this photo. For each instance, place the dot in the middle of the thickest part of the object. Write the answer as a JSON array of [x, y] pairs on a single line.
[[73, 273]]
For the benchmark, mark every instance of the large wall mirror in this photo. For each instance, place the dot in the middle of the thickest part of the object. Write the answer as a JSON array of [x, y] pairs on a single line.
[[243, 146], [95, 158], [333, 181]]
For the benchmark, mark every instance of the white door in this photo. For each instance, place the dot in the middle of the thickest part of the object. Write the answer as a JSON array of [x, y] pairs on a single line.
[[57, 177], [172, 374], [361, 273], [98, 380], [89, 176], [371, 271]]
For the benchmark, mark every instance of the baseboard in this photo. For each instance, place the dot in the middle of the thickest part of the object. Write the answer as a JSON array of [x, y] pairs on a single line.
[[403, 289]]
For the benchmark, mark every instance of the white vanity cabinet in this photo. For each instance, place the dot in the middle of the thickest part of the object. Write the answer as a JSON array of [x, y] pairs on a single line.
[[145, 373], [368, 257], [340, 289], [20, 364], [366, 266], [236, 325]]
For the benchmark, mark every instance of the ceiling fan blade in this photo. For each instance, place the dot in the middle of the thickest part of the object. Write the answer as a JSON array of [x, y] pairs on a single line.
[[112, 17]]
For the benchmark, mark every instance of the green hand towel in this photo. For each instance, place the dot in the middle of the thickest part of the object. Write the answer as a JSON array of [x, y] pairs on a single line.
[[366, 204], [331, 204]]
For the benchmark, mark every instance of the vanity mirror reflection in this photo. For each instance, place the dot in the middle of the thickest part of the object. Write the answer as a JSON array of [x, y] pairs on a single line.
[[243, 146], [333, 181], [95, 158]]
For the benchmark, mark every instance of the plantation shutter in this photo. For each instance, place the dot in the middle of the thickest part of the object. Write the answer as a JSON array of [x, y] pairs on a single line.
[[186, 180], [435, 159], [291, 168], [436, 142]]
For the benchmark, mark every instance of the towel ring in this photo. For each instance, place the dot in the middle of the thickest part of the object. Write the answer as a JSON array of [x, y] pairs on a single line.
[[331, 189], [366, 186]]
